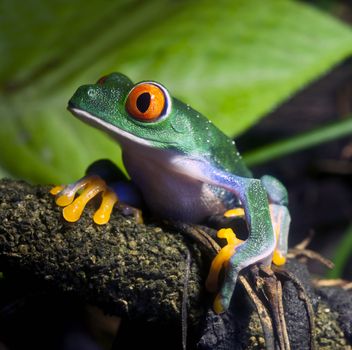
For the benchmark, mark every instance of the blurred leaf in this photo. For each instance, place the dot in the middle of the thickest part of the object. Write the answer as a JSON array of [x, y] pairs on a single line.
[[309, 139], [3, 173], [232, 60], [342, 254]]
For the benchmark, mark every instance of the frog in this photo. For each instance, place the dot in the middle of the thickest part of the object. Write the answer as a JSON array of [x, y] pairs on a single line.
[[183, 168]]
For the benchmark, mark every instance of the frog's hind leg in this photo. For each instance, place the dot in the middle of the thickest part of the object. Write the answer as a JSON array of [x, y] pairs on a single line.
[[235, 213], [280, 216]]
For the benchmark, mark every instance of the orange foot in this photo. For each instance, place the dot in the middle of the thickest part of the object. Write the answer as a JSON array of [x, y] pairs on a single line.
[[91, 186], [222, 258]]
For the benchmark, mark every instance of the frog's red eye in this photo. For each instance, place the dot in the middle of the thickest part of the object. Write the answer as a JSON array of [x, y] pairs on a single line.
[[146, 102], [101, 81]]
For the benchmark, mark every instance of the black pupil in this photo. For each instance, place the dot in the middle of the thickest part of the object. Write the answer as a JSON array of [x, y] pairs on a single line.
[[143, 102]]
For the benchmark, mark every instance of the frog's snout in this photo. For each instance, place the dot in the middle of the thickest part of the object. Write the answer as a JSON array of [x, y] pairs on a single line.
[[70, 105], [85, 95]]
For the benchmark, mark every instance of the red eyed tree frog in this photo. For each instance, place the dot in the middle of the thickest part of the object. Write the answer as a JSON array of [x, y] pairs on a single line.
[[183, 168]]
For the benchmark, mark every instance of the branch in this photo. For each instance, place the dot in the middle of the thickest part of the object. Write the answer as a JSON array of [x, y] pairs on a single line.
[[138, 271], [127, 269]]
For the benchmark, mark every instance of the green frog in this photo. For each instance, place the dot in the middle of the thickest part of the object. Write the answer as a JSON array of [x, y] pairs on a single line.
[[182, 167]]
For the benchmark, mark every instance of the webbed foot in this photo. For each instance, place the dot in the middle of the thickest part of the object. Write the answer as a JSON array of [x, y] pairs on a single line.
[[91, 186], [221, 260]]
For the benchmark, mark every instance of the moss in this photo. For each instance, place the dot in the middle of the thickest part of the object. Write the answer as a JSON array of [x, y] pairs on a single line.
[[137, 271], [328, 335], [328, 332], [125, 268]]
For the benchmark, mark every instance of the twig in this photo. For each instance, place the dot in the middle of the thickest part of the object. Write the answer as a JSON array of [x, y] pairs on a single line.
[[346, 285], [208, 244], [282, 317], [300, 249], [306, 241], [302, 294], [307, 253], [264, 316], [273, 292]]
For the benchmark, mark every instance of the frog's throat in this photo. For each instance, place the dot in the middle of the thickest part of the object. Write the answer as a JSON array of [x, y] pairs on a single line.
[[115, 132], [191, 166]]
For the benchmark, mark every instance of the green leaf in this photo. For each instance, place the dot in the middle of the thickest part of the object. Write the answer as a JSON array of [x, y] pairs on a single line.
[[342, 254], [297, 143], [4, 173], [233, 60]]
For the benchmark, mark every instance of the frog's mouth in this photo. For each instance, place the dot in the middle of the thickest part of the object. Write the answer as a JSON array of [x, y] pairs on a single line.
[[115, 132]]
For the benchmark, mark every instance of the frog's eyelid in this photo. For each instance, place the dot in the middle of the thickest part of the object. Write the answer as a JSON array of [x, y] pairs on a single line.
[[102, 80]]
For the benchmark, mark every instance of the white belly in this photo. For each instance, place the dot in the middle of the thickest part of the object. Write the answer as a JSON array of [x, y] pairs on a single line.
[[171, 195]]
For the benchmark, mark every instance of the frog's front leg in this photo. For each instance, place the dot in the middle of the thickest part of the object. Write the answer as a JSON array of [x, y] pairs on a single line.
[[258, 247], [91, 185], [101, 177], [222, 258]]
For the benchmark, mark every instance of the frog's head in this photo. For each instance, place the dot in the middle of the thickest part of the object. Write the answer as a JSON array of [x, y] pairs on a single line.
[[143, 113]]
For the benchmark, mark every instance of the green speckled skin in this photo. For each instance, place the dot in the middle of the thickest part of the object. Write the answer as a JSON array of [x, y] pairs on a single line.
[[187, 169], [185, 129]]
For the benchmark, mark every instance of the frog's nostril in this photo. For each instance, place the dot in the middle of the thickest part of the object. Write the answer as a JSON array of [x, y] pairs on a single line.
[[91, 92]]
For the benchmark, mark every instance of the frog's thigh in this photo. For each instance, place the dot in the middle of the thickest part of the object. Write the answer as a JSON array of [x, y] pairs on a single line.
[[280, 216]]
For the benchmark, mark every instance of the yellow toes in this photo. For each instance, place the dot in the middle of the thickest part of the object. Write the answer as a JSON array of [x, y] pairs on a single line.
[[230, 237], [64, 200], [55, 190], [236, 212], [211, 283], [217, 306], [222, 258], [102, 215], [73, 208], [278, 258], [73, 212]]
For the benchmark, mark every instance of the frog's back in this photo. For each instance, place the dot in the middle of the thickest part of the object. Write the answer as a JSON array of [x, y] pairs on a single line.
[[212, 144]]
